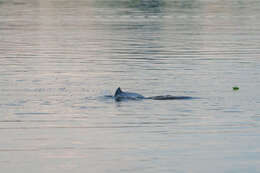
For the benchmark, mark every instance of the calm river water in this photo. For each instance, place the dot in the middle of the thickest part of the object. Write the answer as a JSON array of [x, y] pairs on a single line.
[[58, 58]]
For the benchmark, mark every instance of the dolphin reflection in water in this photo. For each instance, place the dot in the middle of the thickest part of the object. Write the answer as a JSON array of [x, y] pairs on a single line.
[[122, 95]]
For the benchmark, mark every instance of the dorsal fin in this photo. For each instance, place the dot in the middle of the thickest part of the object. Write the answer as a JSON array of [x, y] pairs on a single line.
[[118, 91]]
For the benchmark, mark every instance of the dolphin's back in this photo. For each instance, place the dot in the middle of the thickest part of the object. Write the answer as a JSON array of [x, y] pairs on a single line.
[[121, 95], [169, 97]]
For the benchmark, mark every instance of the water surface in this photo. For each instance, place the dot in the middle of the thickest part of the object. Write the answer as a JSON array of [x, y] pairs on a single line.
[[58, 58]]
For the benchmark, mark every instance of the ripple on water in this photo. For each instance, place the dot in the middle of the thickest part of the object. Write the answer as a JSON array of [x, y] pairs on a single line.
[[60, 59]]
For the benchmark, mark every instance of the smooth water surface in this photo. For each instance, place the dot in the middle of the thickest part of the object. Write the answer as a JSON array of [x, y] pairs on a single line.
[[58, 58]]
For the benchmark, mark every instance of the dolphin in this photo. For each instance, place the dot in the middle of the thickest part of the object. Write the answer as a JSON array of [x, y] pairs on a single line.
[[122, 95]]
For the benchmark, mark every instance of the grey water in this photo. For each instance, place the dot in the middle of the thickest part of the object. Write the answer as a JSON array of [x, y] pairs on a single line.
[[59, 58]]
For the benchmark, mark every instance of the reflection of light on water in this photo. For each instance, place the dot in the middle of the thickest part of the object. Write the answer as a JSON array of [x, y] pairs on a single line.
[[59, 59], [65, 154]]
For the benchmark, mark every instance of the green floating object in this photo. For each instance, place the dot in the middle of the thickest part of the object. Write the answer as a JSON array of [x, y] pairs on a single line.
[[235, 88]]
